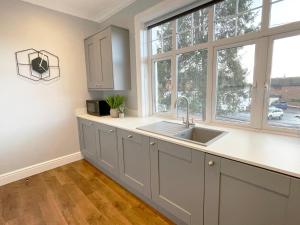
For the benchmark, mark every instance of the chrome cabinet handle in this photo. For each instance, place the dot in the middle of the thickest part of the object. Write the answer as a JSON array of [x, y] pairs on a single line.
[[110, 131], [152, 143], [211, 163], [129, 136]]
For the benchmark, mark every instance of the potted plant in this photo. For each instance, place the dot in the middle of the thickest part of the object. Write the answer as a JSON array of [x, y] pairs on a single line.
[[114, 103], [122, 109]]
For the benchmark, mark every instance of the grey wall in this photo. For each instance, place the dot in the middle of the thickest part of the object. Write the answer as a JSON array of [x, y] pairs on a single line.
[[37, 120], [125, 18]]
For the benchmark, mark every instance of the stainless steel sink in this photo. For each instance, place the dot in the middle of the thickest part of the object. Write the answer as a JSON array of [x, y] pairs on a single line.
[[198, 135]]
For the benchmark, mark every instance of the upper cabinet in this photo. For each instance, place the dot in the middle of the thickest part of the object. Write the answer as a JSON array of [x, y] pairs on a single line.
[[107, 57]]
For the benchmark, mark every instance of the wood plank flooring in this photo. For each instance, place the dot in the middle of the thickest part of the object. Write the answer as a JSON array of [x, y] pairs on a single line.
[[76, 193]]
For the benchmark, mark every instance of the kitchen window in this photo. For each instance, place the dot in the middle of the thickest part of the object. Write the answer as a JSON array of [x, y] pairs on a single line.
[[235, 61], [235, 67], [284, 84]]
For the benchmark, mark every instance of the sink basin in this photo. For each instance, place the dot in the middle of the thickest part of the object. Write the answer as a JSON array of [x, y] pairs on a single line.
[[200, 135]]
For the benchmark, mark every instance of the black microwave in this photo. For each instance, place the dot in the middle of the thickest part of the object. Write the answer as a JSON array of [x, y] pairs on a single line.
[[97, 107]]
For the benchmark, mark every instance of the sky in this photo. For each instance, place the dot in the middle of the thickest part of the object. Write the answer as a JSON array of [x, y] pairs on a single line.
[[286, 51]]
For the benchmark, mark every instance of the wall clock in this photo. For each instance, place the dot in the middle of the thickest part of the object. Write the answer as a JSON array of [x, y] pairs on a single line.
[[37, 65]]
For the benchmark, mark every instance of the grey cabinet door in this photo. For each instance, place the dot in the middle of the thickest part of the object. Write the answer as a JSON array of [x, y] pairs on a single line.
[[104, 60], [177, 180], [134, 161], [239, 194], [87, 137], [99, 61], [107, 148], [91, 62]]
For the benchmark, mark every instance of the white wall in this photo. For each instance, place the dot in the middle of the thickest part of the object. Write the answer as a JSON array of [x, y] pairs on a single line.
[[37, 120]]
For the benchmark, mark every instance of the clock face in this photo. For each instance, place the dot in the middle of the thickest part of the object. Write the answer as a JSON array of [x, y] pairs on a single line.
[[40, 65]]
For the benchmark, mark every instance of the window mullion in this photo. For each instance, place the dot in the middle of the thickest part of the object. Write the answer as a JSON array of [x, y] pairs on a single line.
[[265, 15], [258, 90]]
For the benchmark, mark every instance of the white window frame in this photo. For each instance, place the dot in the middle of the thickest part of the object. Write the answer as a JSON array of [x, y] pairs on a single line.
[[263, 41], [266, 125], [215, 80]]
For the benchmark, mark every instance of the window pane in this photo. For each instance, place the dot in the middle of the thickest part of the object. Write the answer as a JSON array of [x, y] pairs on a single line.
[[161, 38], [162, 85], [192, 29], [191, 82], [237, 17], [157, 47], [184, 39], [245, 5], [284, 97], [161, 31], [200, 27], [225, 8], [249, 22], [285, 11], [234, 82], [225, 28]]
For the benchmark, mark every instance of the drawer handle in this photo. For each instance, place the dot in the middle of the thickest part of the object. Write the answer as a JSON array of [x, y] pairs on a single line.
[[130, 136], [211, 163], [152, 143], [110, 131]]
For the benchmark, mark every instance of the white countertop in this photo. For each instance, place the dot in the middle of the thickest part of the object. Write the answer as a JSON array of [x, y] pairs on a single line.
[[270, 151]]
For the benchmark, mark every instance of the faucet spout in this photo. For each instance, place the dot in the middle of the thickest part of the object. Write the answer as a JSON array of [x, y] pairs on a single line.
[[187, 122]]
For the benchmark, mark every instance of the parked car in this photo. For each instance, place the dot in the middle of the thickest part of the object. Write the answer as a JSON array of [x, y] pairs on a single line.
[[275, 113], [280, 105]]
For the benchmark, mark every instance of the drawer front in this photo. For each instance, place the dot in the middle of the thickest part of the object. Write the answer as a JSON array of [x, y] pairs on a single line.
[[108, 129], [128, 135]]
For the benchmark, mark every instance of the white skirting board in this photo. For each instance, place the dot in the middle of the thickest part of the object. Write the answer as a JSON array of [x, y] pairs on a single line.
[[38, 168]]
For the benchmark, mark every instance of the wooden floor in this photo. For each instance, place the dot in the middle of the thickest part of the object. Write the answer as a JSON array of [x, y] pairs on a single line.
[[76, 193]]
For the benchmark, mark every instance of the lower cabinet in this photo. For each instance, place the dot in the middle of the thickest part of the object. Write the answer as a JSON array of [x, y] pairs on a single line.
[[177, 180], [134, 161], [239, 194], [106, 137], [87, 138], [197, 188]]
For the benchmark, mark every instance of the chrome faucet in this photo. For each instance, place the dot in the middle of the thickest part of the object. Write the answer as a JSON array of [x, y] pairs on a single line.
[[187, 122]]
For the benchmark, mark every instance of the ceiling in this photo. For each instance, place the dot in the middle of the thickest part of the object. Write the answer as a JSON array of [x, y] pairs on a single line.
[[95, 10]]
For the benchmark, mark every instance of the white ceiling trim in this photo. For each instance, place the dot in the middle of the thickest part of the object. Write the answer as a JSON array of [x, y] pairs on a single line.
[[97, 11]]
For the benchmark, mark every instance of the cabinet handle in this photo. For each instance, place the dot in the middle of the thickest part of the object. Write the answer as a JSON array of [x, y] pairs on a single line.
[[110, 131], [129, 136], [211, 163], [152, 143]]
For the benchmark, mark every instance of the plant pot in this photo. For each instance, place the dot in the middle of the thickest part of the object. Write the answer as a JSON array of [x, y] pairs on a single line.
[[121, 115], [114, 113]]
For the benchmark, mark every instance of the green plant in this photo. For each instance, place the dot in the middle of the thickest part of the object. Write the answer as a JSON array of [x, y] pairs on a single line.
[[122, 108], [115, 102]]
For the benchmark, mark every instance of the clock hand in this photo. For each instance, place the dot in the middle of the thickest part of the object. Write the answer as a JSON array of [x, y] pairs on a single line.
[[42, 60]]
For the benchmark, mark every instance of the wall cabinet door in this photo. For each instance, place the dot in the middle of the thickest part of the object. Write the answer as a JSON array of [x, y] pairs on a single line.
[[99, 61], [134, 161], [239, 194], [177, 180], [107, 148], [87, 137]]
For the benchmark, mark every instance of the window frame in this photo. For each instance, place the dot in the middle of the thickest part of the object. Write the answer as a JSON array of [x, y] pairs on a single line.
[[265, 124], [215, 80], [263, 39]]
